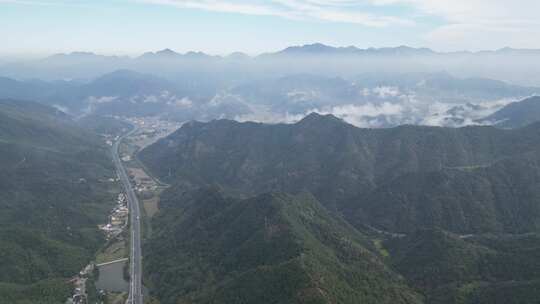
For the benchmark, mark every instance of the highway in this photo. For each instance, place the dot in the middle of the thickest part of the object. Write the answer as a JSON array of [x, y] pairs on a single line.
[[135, 284]]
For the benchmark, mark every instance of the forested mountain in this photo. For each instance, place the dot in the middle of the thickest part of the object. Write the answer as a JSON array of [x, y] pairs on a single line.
[[272, 248], [54, 191], [366, 100], [469, 269], [121, 91], [467, 180], [516, 114], [455, 212]]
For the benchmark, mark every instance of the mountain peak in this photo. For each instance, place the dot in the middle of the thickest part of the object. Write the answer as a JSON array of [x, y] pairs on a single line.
[[167, 52], [313, 48], [317, 46], [192, 54], [323, 49], [315, 117]]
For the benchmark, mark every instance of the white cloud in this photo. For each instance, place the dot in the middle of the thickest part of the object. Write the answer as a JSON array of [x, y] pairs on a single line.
[[477, 11], [367, 115], [384, 92], [101, 99], [269, 117], [221, 6], [94, 101], [150, 99], [184, 102], [331, 11], [479, 24], [43, 3], [404, 109], [61, 108], [456, 24], [480, 37]]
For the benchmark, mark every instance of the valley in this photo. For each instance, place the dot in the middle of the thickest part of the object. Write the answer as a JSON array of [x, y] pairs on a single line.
[[316, 211], [137, 184], [306, 174]]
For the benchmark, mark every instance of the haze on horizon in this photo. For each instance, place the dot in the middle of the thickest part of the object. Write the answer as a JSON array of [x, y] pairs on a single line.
[[364, 151], [132, 27]]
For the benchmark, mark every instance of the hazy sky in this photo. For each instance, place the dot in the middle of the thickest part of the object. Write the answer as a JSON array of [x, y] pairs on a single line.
[[37, 27]]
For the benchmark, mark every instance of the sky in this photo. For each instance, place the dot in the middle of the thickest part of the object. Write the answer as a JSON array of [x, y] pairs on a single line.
[[131, 27]]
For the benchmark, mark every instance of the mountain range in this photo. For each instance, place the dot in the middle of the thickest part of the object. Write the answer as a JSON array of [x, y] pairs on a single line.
[[513, 65], [367, 100], [372, 176], [454, 212], [314, 174]]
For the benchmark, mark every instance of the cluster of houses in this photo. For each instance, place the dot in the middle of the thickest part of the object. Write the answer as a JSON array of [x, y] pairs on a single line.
[[151, 129], [117, 219], [79, 284], [145, 187], [126, 158], [110, 139]]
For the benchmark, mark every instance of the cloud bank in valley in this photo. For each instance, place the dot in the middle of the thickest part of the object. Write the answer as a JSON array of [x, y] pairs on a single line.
[[399, 109]]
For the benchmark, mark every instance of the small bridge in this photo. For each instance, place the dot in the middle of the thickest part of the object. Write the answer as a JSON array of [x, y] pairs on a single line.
[[112, 262]]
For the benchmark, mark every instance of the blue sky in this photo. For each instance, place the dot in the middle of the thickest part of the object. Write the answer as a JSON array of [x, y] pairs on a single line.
[[39, 27]]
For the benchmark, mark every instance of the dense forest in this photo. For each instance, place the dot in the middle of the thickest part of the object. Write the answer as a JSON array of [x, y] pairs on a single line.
[[454, 212], [54, 191], [273, 248], [465, 180]]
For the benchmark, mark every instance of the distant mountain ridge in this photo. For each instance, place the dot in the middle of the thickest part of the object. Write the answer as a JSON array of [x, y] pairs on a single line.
[[411, 97], [314, 48], [322, 49], [170, 54], [513, 65], [516, 114]]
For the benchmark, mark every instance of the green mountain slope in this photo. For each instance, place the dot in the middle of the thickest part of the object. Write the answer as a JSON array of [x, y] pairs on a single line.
[[273, 248], [474, 269], [53, 194], [465, 180], [516, 114], [501, 197], [455, 212]]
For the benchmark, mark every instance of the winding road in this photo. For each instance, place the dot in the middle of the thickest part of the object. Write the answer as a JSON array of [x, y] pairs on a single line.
[[135, 284]]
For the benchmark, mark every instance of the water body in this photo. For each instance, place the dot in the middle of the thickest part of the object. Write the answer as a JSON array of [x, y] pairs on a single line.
[[111, 278]]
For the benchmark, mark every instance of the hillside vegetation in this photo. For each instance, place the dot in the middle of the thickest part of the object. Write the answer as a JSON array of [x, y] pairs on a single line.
[[53, 194], [273, 248], [467, 180], [440, 215], [475, 269], [516, 114]]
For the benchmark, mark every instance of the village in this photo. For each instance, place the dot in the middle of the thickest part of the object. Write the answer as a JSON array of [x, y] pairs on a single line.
[[148, 130], [118, 221]]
